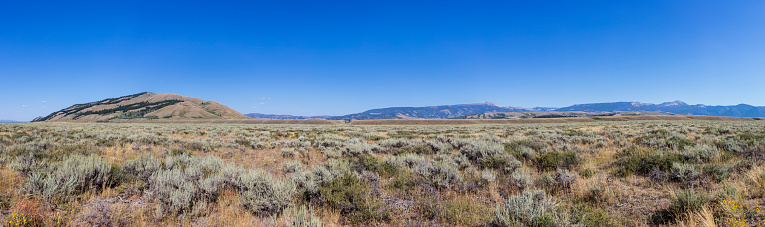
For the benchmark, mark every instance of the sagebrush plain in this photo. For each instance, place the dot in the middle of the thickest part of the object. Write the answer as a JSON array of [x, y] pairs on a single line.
[[632, 173]]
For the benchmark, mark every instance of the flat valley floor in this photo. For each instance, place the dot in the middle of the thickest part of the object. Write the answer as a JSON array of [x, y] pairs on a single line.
[[631, 173]]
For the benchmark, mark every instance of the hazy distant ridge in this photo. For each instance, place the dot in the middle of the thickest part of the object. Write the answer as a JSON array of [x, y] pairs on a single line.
[[676, 107], [454, 111], [430, 112]]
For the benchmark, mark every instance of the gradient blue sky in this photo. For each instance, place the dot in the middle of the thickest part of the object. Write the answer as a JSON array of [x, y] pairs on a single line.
[[340, 57]]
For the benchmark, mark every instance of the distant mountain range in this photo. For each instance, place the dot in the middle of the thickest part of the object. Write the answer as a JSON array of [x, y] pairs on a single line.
[[9, 121], [676, 107], [147, 107], [433, 112], [463, 110], [143, 107]]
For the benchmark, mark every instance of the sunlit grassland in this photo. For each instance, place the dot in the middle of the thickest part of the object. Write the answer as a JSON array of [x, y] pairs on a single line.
[[634, 173]]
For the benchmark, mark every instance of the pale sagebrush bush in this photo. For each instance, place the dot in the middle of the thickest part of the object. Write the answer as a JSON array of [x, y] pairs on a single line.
[[490, 155], [188, 183], [200, 145], [530, 208], [405, 161], [521, 178], [292, 167], [329, 141], [262, 194], [142, 167], [488, 176], [730, 145], [288, 152], [173, 191], [322, 175], [356, 146], [88, 172], [685, 172], [298, 143], [479, 151], [49, 189], [304, 182], [27, 164], [146, 139], [438, 147], [74, 176], [441, 174], [447, 159], [332, 154], [526, 152], [99, 213], [461, 160], [700, 153], [399, 142]]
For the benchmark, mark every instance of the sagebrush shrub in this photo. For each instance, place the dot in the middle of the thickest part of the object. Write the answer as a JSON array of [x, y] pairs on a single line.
[[264, 195], [350, 195], [552, 160], [687, 201], [700, 153], [529, 208], [564, 179], [173, 191], [684, 172], [141, 168], [521, 178], [74, 176]]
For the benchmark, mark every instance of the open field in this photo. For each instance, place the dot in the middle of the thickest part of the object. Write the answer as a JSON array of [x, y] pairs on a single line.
[[443, 121], [597, 172]]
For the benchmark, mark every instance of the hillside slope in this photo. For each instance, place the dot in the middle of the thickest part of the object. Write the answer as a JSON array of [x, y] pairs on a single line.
[[143, 106], [676, 107], [446, 111]]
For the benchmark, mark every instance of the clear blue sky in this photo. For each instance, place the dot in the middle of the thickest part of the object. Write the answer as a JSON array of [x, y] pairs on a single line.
[[340, 57]]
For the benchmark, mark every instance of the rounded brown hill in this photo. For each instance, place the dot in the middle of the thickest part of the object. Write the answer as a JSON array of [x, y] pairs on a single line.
[[142, 107]]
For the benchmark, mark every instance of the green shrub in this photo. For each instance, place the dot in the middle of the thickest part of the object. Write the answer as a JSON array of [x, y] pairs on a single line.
[[554, 159], [643, 165], [530, 208], [505, 164], [243, 141], [350, 195], [586, 173], [687, 201], [718, 173], [597, 195]]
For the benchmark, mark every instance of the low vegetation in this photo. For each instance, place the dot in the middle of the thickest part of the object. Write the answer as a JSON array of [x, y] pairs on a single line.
[[636, 173]]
